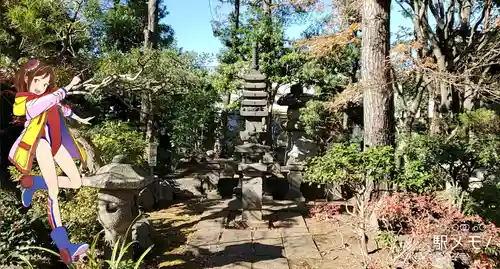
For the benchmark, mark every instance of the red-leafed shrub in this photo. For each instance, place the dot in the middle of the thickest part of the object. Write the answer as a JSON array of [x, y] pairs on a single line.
[[431, 225], [325, 211]]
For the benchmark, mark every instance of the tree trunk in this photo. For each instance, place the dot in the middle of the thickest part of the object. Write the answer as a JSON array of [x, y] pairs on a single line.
[[234, 47], [378, 105], [150, 42], [434, 104], [375, 76], [236, 19], [150, 39], [270, 89]]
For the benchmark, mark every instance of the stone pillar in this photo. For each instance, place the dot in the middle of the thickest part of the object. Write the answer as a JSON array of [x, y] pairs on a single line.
[[294, 178], [252, 197]]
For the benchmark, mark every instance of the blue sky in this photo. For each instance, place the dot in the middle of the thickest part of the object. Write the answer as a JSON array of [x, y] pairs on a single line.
[[191, 19]]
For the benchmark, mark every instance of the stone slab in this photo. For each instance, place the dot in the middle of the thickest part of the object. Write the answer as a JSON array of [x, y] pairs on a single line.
[[266, 234], [321, 228], [280, 263], [294, 232], [255, 85], [228, 204], [206, 250], [290, 206], [118, 176], [255, 94], [228, 262], [211, 224], [253, 167], [242, 249], [302, 247], [252, 197], [269, 248], [213, 213], [253, 102], [289, 220], [255, 223], [328, 245], [187, 187], [311, 264], [245, 113], [230, 235], [252, 218], [204, 237], [254, 75]]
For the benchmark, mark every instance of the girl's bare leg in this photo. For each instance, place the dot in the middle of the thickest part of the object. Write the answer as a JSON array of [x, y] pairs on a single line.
[[31, 184], [72, 180], [48, 169], [68, 252]]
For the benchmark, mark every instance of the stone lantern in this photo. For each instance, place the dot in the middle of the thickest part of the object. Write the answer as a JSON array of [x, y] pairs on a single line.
[[119, 185], [299, 146]]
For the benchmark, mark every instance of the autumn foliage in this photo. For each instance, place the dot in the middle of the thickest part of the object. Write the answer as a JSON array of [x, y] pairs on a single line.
[[431, 225]]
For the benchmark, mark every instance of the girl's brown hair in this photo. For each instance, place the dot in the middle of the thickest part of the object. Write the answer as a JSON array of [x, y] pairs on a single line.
[[34, 68]]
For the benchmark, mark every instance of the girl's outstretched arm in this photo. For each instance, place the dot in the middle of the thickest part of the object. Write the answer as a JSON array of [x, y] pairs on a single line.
[[69, 113], [80, 120]]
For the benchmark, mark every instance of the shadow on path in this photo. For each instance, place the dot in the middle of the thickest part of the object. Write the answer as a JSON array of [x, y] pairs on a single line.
[[243, 254]]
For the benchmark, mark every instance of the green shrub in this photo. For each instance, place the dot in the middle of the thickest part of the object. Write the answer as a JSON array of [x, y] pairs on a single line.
[[483, 201], [348, 164], [19, 227], [118, 256], [118, 138], [421, 171]]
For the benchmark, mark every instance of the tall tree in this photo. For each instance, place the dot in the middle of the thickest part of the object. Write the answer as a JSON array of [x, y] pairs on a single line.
[[147, 102], [378, 106], [375, 73], [122, 26]]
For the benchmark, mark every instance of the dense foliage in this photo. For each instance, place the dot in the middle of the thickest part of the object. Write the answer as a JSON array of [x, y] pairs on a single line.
[[18, 228]]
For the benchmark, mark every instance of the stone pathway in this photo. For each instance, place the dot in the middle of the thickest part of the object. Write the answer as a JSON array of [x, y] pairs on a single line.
[[290, 243]]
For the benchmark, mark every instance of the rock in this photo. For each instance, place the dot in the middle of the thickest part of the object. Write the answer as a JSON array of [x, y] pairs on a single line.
[[440, 261], [142, 232], [117, 211], [188, 187], [167, 191], [146, 200]]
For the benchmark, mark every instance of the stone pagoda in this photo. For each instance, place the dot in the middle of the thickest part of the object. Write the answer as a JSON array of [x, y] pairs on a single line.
[[254, 154]]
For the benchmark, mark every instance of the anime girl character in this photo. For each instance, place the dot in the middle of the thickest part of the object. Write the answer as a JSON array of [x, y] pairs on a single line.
[[46, 137]]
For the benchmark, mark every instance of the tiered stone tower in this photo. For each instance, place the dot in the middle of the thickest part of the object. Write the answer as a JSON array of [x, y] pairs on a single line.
[[255, 155]]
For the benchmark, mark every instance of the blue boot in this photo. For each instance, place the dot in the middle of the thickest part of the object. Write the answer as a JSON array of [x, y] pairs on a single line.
[[68, 252], [31, 184]]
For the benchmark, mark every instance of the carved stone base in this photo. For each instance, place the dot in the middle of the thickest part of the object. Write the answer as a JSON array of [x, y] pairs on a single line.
[[251, 188], [116, 210], [295, 181]]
